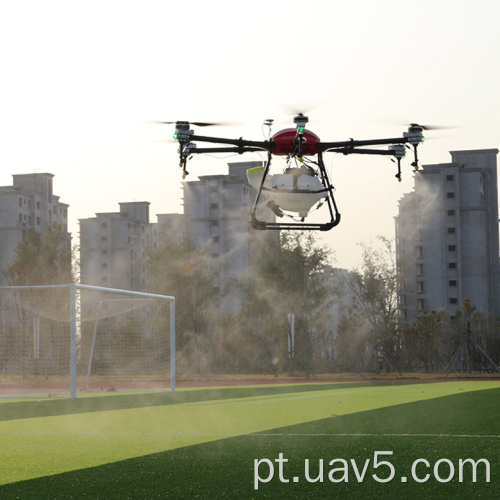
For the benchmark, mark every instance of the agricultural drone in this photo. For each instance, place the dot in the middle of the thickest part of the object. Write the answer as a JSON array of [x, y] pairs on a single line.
[[304, 184]]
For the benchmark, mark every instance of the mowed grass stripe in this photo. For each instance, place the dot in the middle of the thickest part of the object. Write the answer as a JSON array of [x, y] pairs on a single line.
[[225, 468], [49, 445], [96, 402]]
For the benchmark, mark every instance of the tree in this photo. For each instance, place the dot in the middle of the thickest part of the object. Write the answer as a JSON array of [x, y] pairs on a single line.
[[374, 286], [351, 342], [42, 259], [278, 288], [182, 270]]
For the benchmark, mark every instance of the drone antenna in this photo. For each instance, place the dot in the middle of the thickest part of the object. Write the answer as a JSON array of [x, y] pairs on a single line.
[[268, 123]]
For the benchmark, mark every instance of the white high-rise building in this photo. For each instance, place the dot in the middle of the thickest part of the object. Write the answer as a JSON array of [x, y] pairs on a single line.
[[447, 238], [217, 208], [28, 203], [114, 246]]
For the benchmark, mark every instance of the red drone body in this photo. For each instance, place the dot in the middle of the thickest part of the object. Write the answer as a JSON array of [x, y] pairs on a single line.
[[284, 142]]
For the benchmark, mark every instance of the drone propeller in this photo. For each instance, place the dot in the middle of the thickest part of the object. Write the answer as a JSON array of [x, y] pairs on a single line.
[[302, 109], [430, 127], [201, 124]]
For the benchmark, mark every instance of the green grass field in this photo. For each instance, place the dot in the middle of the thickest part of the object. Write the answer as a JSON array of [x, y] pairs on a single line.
[[317, 440]]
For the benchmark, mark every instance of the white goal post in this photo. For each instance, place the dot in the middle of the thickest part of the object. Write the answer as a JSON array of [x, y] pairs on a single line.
[[118, 339]]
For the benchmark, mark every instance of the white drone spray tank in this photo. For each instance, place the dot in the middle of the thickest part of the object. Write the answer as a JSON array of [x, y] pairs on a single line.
[[297, 190]]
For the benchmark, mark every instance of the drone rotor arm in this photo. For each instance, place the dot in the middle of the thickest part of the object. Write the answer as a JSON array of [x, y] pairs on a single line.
[[263, 145], [350, 150], [234, 149], [324, 146]]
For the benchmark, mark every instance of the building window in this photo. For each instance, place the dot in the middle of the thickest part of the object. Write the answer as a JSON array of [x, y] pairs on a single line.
[[453, 300], [421, 304], [420, 286], [450, 177], [420, 251], [420, 269], [20, 202], [451, 230], [450, 195], [214, 222], [452, 282], [451, 213], [452, 248], [452, 265], [214, 206]]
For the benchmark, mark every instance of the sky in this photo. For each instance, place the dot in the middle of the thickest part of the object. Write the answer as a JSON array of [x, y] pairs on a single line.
[[82, 81]]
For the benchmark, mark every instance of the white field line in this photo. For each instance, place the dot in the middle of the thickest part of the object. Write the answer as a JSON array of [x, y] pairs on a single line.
[[321, 395], [217, 434]]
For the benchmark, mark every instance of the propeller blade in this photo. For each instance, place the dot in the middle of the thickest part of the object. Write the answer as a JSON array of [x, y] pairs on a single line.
[[300, 109], [200, 124], [159, 122], [430, 127]]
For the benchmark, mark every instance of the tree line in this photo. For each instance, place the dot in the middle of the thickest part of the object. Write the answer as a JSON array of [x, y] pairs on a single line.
[[344, 321]]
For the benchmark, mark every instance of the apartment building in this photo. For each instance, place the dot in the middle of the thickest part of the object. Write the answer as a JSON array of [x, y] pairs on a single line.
[[216, 208], [447, 238], [114, 246], [28, 203]]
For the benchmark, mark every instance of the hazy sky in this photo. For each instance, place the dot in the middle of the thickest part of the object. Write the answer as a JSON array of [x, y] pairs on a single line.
[[79, 80]]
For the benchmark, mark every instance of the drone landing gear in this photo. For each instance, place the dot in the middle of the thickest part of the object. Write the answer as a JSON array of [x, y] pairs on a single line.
[[299, 225], [283, 226]]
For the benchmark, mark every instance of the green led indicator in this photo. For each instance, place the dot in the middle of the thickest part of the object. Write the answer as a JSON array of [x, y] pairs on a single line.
[[176, 136], [301, 129]]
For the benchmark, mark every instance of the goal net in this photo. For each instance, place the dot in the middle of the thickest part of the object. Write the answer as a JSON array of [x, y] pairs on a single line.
[[72, 338]]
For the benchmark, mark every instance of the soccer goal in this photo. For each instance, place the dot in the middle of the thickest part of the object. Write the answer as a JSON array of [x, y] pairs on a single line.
[[65, 339]]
